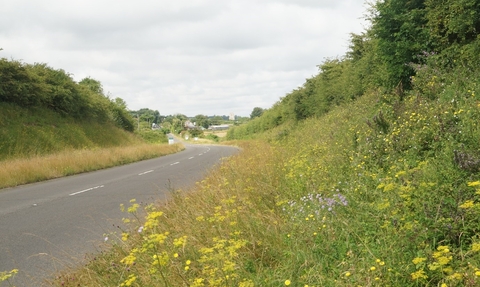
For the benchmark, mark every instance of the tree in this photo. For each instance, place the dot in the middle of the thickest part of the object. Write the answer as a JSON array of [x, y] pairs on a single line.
[[175, 122], [257, 112], [216, 120], [121, 116], [202, 121], [399, 26], [454, 25], [92, 84], [121, 103]]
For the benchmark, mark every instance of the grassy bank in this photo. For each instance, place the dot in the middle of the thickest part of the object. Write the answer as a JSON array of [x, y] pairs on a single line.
[[27, 170], [380, 192], [38, 144], [36, 131]]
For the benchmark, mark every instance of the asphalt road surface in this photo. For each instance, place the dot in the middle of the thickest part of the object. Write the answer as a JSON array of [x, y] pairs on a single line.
[[49, 226]]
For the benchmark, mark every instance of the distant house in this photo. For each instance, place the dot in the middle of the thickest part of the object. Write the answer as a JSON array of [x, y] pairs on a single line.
[[189, 125], [219, 127]]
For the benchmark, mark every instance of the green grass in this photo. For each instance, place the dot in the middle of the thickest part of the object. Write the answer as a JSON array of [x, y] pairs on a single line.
[[37, 131], [380, 192]]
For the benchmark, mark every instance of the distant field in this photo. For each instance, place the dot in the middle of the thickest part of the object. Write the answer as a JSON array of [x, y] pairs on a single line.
[[220, 134]]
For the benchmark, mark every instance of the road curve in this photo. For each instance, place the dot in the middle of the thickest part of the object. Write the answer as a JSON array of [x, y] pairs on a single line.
[[48, 226]]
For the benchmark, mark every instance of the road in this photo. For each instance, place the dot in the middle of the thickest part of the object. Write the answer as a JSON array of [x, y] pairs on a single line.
[[49, 226]]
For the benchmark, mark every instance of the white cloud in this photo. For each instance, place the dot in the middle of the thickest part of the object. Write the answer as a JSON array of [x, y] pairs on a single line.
[[191, 57]]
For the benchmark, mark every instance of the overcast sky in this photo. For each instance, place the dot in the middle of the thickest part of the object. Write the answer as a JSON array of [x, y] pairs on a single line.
[[212, 57]]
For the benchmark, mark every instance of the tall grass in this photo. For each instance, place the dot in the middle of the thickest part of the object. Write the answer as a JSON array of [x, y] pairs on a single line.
[[14, 172], [380, 192], [26, 132], [38, 144]]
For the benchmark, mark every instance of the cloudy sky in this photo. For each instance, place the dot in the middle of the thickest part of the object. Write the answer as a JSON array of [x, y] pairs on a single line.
[[212, 57]]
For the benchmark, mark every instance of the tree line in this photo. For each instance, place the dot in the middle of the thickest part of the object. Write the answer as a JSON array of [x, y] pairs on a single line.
[[38, 85], [404, 37]]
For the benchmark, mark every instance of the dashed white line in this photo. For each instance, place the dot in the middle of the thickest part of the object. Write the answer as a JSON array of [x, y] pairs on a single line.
[[85, 190], [191, 157], [175, 163], [149, 171]]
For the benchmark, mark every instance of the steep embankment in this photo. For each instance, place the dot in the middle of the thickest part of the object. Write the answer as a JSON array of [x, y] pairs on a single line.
[[27, 132], [38, 144]]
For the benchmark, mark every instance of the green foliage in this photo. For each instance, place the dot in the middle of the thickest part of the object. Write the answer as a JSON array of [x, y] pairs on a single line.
[[153, 136], [93, 85], [35, 131], [339, 81], [196, 132], [213, 137], [405, 37], [257, 112], [147, 115], [216, 120], [399, 26], [202, 121], [39, 85], [453, 22], [121, 116], [175, 123]]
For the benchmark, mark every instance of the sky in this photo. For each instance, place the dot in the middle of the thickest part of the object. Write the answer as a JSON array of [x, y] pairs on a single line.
[[210, 57]]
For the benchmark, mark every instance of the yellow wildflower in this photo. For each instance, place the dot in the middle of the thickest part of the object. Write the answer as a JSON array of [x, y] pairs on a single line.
[[474, 183], [418, 260], [467, 204], [129, 281], [420, 274], [287, 282], [443, 260], [456, 276], [4, 276], [129, 259], [476, 246]]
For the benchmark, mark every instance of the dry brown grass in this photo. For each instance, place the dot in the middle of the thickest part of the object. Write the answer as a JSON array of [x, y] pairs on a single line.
[[27, 170]]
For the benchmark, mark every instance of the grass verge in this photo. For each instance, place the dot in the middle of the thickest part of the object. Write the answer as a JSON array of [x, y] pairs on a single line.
[[27, 170]]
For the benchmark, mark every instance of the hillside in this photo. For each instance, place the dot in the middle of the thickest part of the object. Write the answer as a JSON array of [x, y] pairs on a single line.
[[52, 126], [28, 132], [39, 144]]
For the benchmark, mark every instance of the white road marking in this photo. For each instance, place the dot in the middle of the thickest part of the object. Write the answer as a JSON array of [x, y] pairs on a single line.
[[201, 154], [146, 172], [191, 157], [85, 190], [175, 163]]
